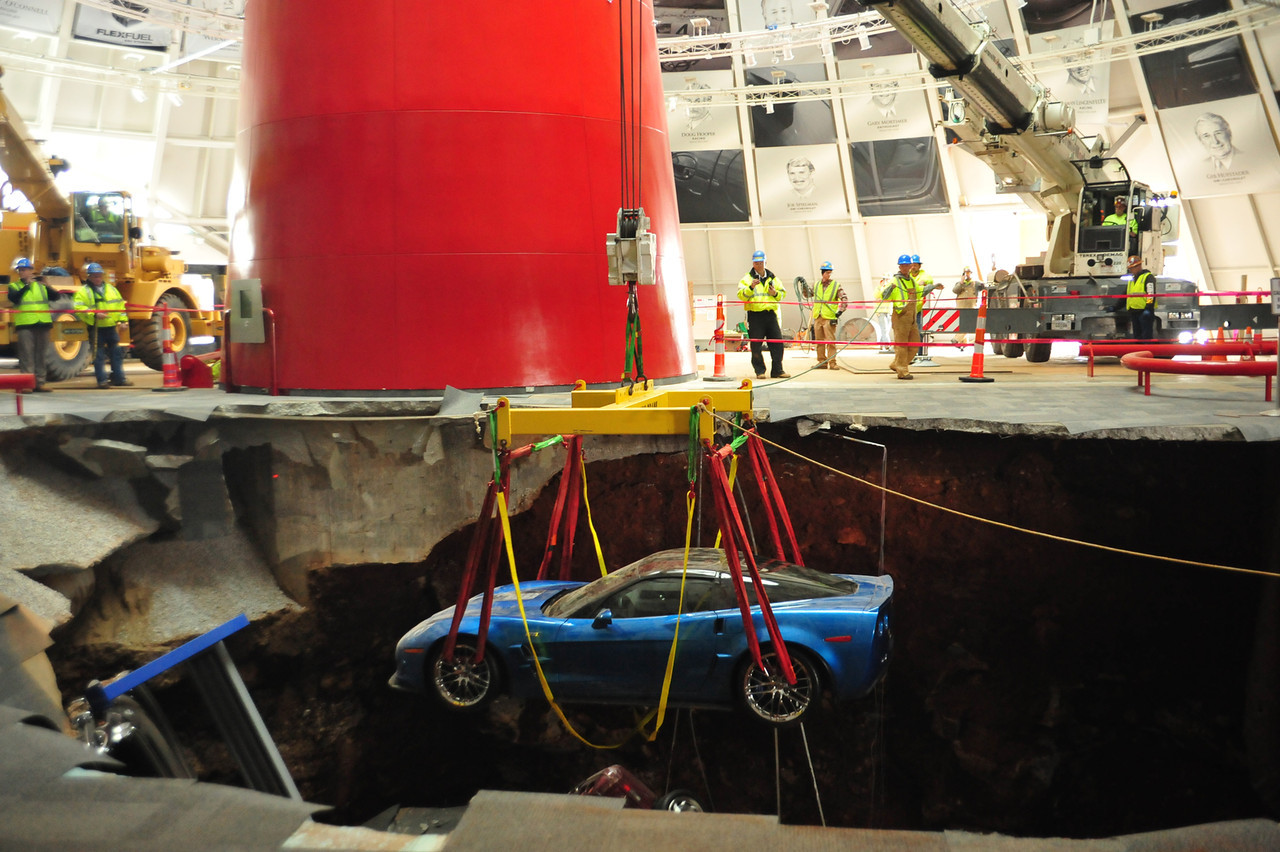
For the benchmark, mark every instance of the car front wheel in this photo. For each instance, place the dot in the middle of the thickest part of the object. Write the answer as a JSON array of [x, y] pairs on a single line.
[[464, 683], [767, 695]]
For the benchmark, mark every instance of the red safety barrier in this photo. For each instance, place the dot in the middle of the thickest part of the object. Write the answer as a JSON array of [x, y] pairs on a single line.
[[18, 382], [1145, 364], [196, 373], [1216, 356], [1117, 349]]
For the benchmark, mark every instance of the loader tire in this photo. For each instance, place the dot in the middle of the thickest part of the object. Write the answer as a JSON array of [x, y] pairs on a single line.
[[147, 346], [65, 360]]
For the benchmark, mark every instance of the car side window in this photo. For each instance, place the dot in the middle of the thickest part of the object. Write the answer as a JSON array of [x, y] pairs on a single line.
[[660, 596]]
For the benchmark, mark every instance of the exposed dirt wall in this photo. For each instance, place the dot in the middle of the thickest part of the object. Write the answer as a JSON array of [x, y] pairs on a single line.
[[1039, 687]]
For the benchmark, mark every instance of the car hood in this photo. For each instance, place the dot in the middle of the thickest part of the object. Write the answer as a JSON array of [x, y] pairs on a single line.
[[534, 594]]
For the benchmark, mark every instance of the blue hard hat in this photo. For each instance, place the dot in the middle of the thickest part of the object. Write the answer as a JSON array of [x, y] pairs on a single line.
[[757, 256], [915, 258], [22, 263], [904, 258], [93, 269], [825, 267]]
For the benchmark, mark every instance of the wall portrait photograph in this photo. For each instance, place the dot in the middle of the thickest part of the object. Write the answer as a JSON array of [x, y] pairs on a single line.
[[802, 182], [1221, 147]]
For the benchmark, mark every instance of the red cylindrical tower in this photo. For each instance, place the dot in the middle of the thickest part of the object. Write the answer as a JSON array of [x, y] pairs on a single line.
[[427, 188]]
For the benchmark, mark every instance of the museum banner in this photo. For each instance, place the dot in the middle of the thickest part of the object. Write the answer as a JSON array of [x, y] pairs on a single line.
[[34, 16], [1221, 147]]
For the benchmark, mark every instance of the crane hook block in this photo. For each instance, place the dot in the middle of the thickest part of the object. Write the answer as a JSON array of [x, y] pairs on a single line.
[[632, 250]]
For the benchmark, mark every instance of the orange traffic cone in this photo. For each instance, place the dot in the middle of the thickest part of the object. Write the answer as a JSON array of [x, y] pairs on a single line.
[[718, 375], [172, 381], [1247, 339], [979, 343], [1222, 338]]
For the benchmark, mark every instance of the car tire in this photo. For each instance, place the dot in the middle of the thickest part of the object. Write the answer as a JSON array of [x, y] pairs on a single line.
[[766, 695], [462, 684], [679, 801], [1013, 347]]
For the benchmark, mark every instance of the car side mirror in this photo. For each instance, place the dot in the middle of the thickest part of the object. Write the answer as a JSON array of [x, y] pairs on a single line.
[[603, 619]]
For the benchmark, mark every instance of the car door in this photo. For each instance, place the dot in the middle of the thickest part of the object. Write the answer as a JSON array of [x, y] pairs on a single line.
[[623, 657]]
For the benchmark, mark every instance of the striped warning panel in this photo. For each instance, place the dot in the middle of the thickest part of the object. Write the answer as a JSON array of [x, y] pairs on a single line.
[[941, 319]]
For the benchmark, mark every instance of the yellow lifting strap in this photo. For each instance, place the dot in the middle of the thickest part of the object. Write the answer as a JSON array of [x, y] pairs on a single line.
[[591, 525], [661, 710], [675, 638]]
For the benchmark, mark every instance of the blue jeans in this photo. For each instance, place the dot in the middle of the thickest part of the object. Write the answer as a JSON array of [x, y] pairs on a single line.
[[1142, 325], [107, 343]]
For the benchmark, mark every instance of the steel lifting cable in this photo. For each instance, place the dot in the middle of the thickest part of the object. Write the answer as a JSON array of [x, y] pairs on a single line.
[[629, 25], [1001, 524]]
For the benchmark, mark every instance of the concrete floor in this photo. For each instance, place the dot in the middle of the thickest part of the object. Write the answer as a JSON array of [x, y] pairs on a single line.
[[1054, 398]]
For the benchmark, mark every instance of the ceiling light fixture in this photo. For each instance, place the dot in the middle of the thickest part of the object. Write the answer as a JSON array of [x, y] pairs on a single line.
[[138, 95], [197, 54]]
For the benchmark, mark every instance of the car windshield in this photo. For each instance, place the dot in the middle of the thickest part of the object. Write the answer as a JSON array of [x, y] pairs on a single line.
[[783, 581]]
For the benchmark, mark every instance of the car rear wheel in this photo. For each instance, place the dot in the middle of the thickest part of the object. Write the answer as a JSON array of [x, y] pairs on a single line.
[[464, 683], [767, 696]]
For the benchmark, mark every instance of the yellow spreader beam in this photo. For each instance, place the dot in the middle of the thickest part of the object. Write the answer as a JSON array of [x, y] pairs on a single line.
[[641, 410]]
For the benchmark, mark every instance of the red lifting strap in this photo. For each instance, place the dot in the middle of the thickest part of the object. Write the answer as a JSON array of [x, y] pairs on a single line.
[[495, 552], [732, 532], [479, 537], [768, 483], [553, 526], [563, 526], [571, 509], [486, 538]]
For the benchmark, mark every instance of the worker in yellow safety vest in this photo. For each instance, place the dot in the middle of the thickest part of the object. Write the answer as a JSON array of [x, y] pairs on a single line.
[[829, 302], [761, 295], [100, 306], [32, 320], [902, 293], [924, 286], [1141, 301]]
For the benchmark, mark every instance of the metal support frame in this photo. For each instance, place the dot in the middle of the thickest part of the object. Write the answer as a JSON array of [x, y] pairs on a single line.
[[227, 698], [642, 410]]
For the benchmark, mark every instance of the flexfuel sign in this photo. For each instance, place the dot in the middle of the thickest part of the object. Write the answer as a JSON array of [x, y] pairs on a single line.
[[123, 28]]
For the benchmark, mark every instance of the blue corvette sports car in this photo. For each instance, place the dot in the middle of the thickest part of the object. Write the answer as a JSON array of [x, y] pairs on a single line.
[[606, 642]]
